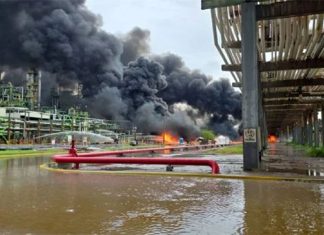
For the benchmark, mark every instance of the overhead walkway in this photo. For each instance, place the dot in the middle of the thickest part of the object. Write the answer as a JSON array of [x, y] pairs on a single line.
[[275, 53]]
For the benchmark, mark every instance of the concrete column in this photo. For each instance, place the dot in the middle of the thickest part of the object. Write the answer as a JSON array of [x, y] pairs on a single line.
[[251, 88], [322, 125], [306, 130], [302, 130], [295, 138], [265, 131], [310, 130], [300, 135], [316, 129]]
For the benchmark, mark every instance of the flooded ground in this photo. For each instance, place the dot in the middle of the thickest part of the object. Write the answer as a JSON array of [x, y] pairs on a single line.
[[281, 157], [35, 201]]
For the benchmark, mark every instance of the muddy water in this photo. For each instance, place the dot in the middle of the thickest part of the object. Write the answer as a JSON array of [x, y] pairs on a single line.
[[34, 201]]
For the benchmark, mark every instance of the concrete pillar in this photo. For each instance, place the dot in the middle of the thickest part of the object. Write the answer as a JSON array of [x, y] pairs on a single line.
[[310, 130], [251, 88], [306, 130], [265, 131], [300, 135], [316, 129], [302, 131], [322, 125], [295, 137]]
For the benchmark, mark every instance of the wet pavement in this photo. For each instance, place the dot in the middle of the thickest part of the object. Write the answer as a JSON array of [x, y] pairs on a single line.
[[284, 158]]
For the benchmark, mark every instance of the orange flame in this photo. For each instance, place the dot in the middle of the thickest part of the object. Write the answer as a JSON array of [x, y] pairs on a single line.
[[168, 138], [272, 139]]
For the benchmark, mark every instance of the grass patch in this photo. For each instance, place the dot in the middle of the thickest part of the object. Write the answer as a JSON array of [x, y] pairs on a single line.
[[315, 152], [310, 151], [295, 145], [233, 149], [5, 154]]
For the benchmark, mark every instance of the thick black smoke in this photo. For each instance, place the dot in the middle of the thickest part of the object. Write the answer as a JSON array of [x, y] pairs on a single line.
[[143, 80], [136, 44], [218, 99], [136, 100], [63, 39]]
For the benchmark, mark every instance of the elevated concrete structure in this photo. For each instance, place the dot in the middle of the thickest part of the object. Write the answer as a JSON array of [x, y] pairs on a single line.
[[275, 53]]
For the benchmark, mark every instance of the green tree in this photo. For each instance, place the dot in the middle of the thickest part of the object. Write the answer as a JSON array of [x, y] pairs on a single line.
[[207, 134]]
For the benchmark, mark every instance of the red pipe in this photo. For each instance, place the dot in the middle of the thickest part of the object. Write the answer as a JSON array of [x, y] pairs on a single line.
[[129, 151], [139, 160]]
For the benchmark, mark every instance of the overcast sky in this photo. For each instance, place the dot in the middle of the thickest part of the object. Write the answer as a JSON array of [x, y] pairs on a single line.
[[176, 26]]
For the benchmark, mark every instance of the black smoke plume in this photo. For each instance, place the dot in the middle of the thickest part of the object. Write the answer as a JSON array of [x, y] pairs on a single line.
[[135, 44], [217, 98], [61, 37], [64, 40]]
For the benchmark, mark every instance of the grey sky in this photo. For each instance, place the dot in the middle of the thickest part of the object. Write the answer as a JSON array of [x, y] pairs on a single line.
[[177, 26]]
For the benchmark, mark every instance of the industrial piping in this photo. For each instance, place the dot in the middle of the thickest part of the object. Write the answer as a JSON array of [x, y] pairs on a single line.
[[137, 160], [73, 152]]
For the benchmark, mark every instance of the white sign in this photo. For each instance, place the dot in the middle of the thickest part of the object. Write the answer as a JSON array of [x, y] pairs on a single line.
[[250, 135]]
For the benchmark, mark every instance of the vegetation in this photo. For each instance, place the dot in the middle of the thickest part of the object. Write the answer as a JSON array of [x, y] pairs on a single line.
[[315, 152], [28, 153], [207, 134], [232, 149], [310, 151]]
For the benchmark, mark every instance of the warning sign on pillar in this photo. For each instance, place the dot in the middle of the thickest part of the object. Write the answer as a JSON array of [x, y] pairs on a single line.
[[250, 135]]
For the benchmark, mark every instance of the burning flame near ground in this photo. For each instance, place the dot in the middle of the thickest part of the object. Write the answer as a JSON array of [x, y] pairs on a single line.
[[272, 139], [168, 139]]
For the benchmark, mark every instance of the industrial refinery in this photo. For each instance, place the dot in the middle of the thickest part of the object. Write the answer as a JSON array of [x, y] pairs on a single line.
[[23, 120]]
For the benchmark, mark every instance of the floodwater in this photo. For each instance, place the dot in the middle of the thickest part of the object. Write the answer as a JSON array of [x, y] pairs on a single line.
[[34, 201]]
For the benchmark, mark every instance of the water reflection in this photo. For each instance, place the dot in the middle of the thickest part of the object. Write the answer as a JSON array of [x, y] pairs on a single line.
[[42, 202], [282, 207]]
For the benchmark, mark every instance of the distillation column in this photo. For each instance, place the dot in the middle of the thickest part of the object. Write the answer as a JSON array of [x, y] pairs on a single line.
[[33, 85]]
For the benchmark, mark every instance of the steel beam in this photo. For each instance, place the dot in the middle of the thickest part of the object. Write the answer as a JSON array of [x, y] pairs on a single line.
[[288, 106], [280, 65], [316, 128], [292, 102], [292, 65], [208, 4], [291, 94], [278, 117], [289, 9], [294, 83], [278, 110], [289, 83]]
